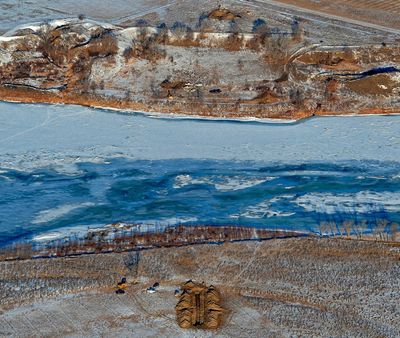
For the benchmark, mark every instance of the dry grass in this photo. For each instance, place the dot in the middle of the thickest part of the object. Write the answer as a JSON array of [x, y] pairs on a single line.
[[222, 13], [103, 46], [233, 43]]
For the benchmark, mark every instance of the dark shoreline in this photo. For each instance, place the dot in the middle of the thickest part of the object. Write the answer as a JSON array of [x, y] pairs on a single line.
[[129, 239]]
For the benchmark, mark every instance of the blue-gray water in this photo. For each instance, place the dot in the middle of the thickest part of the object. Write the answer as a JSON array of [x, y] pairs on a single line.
[[73, 167], [295, 197]]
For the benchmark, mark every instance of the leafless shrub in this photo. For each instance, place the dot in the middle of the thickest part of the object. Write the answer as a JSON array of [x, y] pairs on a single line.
[[179, 29], [162, 35], [277, 50], [234, 42], [379, 229], [394, 228], [260, 27], [296, 97], [103, 46], [255, 43], [240, 65], [145, 47], [24, 250]]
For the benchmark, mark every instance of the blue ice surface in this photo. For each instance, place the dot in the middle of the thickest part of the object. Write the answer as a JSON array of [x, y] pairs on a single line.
[[194, 192]]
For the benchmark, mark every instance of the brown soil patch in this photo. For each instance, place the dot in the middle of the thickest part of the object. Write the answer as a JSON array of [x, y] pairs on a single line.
[[174, 85], [381, 84], [223, 14], [340, 61], [267, 96]]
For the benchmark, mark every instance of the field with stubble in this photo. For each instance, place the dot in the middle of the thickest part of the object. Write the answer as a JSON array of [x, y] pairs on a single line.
[[381, 12], [290, 287]]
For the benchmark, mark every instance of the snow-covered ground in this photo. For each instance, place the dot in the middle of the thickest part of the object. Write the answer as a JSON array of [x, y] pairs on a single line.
[[35, 136], [15, 12]]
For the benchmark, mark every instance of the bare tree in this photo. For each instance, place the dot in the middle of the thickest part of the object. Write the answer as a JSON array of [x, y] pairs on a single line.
[[131, 261], [297, 30]]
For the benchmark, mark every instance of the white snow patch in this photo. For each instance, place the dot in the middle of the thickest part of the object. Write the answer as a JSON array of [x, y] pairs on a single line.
[[9, 38], [221, 183], [47, 236], [62, 210], [65, 232], [37, 26], [150, 225], [183, 180], [34, 26], [239, 183], [264, 209], [5, 57], [360, 202]]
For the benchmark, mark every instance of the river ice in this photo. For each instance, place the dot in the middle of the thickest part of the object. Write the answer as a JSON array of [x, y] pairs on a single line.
[[33, 136], [66, 168]]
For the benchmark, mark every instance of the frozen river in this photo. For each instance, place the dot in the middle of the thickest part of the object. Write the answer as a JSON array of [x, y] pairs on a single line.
[[70, 167]]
